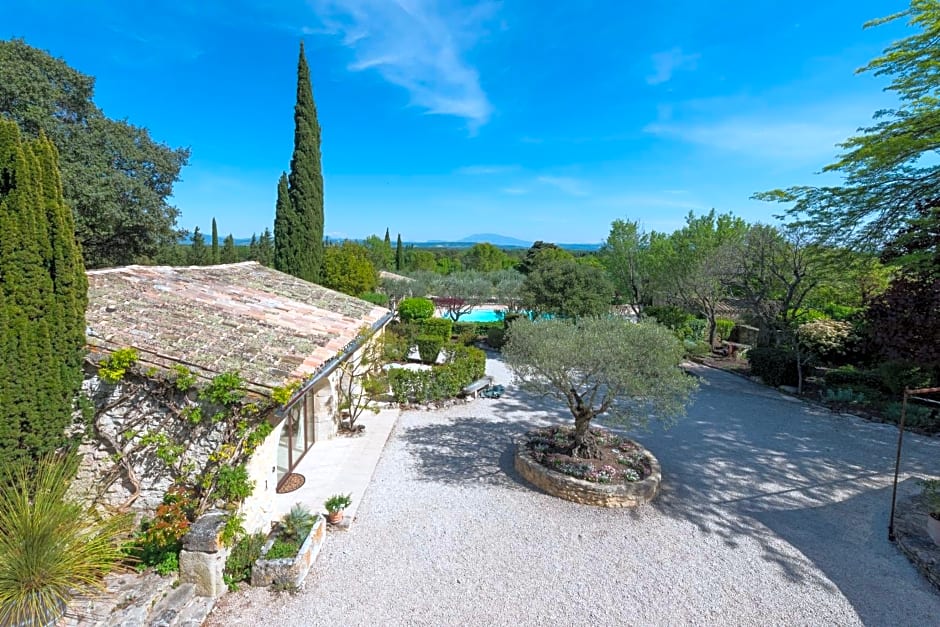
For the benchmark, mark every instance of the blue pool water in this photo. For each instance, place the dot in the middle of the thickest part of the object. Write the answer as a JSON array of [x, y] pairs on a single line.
[[483, 315]]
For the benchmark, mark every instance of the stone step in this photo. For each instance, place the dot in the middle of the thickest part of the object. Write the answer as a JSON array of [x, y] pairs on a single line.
[[166, 611], [195, 614], [126, 601]]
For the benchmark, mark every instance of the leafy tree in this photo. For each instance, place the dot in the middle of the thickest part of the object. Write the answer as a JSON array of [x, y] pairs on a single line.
[[485, 257], [507, 288], [542, 252], [115, 177], [458, 293], [399, 256], [600, 366], [380, 253], [215, 243], [567, 288], [298, 224], [625, 255], [903, 322], [361, 380], [52, 547], [43, 295], [265, 250], [198, 254], [421, 260], [347, 269], [890, 179], [228, 254]]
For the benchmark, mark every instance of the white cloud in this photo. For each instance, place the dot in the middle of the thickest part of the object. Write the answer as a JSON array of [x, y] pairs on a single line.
[[667, 62], [475, 170], [567, 184], [419, 45]]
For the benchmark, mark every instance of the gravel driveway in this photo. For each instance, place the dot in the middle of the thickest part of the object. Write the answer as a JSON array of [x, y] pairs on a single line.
[[773, 512]]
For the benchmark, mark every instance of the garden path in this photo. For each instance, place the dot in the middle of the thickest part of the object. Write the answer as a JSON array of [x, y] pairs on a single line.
[[773, 512]]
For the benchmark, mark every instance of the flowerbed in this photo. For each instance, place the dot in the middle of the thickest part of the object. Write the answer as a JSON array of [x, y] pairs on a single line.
[[618, 460]]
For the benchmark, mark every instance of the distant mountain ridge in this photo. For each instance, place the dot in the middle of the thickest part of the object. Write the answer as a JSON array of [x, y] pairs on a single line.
[[500, 241], [496, 240]]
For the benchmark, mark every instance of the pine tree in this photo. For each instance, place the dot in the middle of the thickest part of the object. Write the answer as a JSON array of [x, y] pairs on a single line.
[[399, 255], [215, 243], [198, 255], [253, 248], [43, 293], [266, 249], [302, 226], [228, 254]]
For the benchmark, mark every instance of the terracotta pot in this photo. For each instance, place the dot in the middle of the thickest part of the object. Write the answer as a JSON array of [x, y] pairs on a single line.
[[933, 529], [334, 518]]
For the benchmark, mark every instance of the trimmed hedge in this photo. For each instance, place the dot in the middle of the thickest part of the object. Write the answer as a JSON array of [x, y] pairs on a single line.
[[464, 365], [776, 366], [438, 327], [429, 346], [415, 309]]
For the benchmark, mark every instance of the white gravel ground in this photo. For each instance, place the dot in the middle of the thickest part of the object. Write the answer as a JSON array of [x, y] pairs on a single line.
[[773, 512]]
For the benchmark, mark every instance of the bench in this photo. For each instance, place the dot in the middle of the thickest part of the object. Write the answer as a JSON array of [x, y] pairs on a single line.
[[732, 349], [472, 389]]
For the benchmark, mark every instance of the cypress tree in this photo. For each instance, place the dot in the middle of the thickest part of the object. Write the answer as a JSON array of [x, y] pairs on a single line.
[[399, 255], [215, 243], [43, 293], [303, 253], [285, 249], [253, 248], [266, 249]]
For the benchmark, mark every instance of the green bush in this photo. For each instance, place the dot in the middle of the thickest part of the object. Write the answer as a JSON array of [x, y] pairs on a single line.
[[243, 556], [394, 347], [724, 328], [411, 309], [375, 298], [496, 337], [282, 548], [669, 316], [463, 365], [696, 349], [840, 312], [478, 328], [438, 327], [917, 417], [694, 329], [844, 396], [853, 378], [429, 346], [776, 366], [233, 483], [895, 375]]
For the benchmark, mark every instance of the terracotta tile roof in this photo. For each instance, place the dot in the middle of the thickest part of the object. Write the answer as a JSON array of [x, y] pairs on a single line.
[[268, 326]]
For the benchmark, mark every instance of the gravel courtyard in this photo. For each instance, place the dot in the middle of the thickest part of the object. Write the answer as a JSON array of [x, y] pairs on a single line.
[[773, 512]]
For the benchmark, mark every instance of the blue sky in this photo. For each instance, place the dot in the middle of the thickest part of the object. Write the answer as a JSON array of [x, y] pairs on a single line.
[[530, 118]]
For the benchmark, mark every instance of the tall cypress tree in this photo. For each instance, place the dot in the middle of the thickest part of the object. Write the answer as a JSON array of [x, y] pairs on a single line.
[[43, 293], [399, 255], [215, 244], [303, 253], [198, 255], [285, 249]]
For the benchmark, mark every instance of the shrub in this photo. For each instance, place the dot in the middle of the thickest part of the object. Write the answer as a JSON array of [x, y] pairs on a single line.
[[233, 484], [282, 548], [438, 327], [694, 329], [724, 327], [917, 417], [669, 316], [375, 298], [411, 309], [840, 312], [696, 348], [776, 366], [112, 369], [825, 338], [394, 347], [895, 374], [243, 556], [496, 337], [852, 377], [844, 396], [463, 365], [429, 346]]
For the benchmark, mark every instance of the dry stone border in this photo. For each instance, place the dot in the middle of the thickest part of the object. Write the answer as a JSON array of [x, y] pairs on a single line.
[[587, 492]]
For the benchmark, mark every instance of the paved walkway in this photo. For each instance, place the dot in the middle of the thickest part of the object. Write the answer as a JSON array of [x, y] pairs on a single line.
[[343, 465], [773, 512]]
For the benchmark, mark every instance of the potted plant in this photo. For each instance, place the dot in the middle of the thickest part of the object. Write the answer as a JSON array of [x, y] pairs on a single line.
[[932, 498], [335, 506]]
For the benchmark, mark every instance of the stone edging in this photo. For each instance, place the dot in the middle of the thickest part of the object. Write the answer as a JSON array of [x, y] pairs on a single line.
[[587, 492]]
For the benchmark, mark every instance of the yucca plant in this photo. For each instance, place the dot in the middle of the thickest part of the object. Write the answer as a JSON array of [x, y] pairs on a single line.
[[51, 545]]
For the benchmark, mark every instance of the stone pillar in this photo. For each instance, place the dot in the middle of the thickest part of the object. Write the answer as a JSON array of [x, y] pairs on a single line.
[[202, 560]]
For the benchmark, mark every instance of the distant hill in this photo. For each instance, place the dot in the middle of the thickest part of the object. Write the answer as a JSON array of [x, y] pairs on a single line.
[[496, 240]]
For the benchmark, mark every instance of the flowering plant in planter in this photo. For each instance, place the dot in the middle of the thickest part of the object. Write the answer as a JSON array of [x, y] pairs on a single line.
[[335, 506]]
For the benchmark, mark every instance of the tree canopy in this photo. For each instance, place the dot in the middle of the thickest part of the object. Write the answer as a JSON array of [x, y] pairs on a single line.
[[115, 178], [566, 288], [347, 269]]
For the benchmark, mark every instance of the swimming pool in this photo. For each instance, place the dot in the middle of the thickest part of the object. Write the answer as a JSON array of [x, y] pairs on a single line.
[[482, 314]]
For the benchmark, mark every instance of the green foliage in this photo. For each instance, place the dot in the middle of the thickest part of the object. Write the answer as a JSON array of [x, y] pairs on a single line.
[[164, 449], [844, 396], [228, 253], [199, 254], [931, 495], [496, 337], [337, 503], [917, 417], [463, 365], [825, 338], [411, 309], [775, 366], [437, 327], [115, 177], [696, 348], [850, 377], [896, 374], [348, 269], [257, 436], [625, 255], [298, 221], [192, 414], [297, 523], [567, 288], [214, 256], [52, 547], [597, 366], [724, 326], [184, 378], [114, 367], [224, 389], [233, 529], [160, 536], [375, 298], [282, 395], [429, 346], [485, 257], [239, 562], [169, 565], [233, 483], [668, 315], [281, 549]]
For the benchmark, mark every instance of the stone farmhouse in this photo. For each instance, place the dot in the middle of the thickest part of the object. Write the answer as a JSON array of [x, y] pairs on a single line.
[[269, 327]]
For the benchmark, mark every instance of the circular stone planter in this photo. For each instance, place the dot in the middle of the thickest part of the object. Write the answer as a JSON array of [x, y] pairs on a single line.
[[587, 492]]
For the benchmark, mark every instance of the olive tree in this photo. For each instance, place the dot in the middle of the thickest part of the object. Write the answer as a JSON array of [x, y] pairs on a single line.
[[601, 366]]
